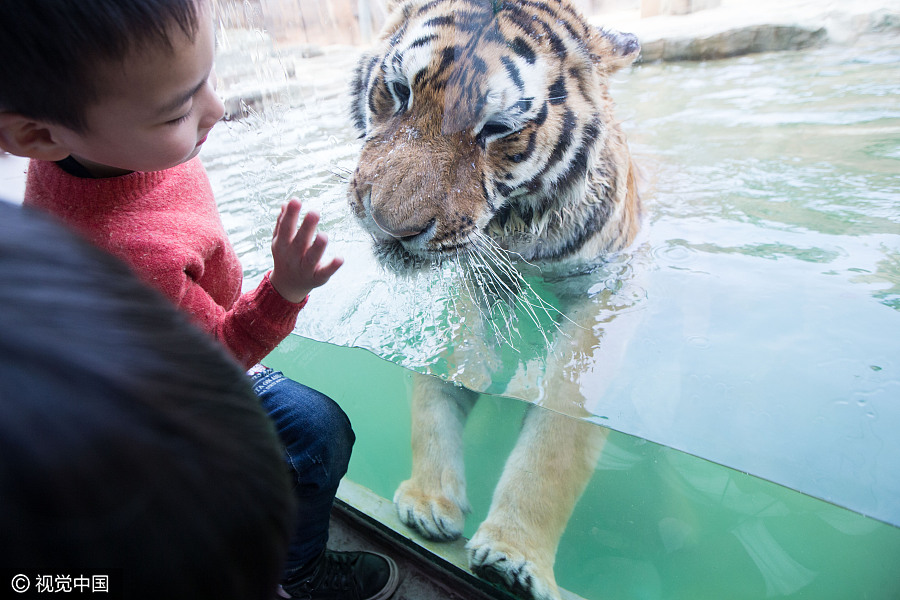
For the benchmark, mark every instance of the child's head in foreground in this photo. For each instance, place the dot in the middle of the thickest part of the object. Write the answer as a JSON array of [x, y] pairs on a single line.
[[119, 85], [129, 440]]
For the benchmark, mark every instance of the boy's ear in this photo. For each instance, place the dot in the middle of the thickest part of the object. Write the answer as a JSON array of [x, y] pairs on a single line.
[[26, 137]]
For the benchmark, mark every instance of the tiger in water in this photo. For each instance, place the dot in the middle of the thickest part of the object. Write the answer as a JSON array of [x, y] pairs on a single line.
[[488, 128]]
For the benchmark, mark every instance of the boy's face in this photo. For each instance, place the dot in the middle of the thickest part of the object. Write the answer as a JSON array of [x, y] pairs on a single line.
[[156, 108]]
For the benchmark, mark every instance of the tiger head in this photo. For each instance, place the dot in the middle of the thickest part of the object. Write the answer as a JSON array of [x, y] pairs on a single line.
[[492, 119]]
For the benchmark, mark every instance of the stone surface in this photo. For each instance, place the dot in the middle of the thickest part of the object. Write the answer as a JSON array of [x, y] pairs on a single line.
[[733, 42], [737, 27]]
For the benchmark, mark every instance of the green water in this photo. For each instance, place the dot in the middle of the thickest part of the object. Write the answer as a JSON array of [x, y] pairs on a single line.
[[654, 523], [763, 313]]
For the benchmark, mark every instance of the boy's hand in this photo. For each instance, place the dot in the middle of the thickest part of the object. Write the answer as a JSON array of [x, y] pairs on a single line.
[[297, 254]]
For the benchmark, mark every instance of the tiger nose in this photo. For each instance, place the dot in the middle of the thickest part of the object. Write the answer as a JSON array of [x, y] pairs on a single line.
[[400, 228]]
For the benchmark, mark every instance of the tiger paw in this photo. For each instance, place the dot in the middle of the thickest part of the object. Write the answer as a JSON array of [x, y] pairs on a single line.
[[496, 560], [436, 516]]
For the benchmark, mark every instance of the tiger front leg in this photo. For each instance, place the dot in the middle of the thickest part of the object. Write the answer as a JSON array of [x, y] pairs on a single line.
[[554, 457], [433, 500], [544, 476]]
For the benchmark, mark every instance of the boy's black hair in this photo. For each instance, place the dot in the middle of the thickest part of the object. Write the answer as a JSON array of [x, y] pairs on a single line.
[[49, 49], [130, 443]]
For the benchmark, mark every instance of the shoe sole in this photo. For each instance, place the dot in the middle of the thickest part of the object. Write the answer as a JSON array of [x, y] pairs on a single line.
[[393, 581]]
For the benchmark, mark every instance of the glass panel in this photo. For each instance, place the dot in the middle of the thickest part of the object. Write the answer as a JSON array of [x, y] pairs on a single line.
[[754, 325], [767, 328]]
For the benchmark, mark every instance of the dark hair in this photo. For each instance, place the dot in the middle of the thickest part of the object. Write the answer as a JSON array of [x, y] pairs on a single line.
[[49, 49], [129, 440]]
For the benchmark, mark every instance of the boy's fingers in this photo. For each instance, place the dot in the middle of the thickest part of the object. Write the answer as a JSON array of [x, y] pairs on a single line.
[[278, 222], [316, 250], [291, 214], [287, 220], [330, 269], [307, 232]]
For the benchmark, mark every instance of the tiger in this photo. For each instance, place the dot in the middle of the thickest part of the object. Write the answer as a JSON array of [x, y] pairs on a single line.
[[488, 125]]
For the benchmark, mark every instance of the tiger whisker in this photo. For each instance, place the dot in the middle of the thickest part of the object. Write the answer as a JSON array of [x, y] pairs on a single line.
[[503, 255], [488, 287], [503, 261], [470, 278], [495, 282], [500, 256], [506, 292], [474, 272], [496, 276]]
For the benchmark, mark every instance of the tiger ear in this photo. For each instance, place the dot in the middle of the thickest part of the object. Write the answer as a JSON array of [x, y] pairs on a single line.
[[614, 49], [397, 5], [397, 12]]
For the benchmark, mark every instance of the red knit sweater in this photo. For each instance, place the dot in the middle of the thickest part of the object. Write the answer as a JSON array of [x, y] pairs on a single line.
[[166, 226]]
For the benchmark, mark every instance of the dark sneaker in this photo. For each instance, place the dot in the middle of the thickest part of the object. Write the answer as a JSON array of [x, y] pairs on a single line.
[[344, 576]]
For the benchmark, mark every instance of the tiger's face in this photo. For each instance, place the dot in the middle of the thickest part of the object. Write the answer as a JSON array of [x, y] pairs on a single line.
[[492, 119]]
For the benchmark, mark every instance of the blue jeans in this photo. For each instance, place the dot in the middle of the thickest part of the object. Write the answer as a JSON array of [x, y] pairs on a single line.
[[317, 439]]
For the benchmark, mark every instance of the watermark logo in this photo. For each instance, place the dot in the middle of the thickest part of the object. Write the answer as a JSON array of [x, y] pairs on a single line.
[[29, 584], [20, 583]]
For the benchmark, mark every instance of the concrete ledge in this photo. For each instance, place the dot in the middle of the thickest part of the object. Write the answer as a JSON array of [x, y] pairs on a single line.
[[376, 517]]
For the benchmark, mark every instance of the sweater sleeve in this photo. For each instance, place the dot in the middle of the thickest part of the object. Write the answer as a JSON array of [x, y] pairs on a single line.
[[250, 329], [257, 322]]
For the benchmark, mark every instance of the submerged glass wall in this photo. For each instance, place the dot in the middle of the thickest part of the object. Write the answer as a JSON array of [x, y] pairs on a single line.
[[743, 352], [654, 522]]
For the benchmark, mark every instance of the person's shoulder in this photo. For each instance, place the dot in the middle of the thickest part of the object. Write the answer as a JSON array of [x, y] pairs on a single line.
[[62, 175], [46, 184], [44, 168]]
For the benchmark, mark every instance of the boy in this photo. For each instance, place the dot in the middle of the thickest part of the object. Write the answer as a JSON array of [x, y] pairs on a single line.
[[112, 100]]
